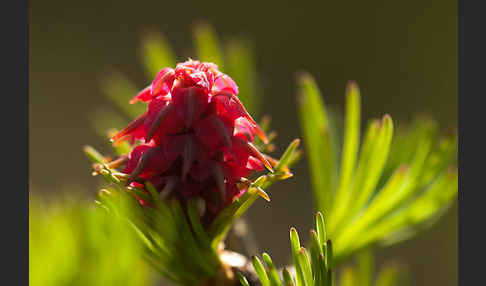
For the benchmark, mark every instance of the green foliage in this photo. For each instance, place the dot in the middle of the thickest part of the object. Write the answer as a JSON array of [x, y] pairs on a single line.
[[119, 91], [317, 135], [72, 242], [241, 65], [156, 54], [315, 268], [362, 273], [167, 235], [384, 191], [311, 268], [207, 45]]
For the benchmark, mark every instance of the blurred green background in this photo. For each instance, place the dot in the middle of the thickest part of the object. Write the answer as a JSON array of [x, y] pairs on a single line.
[[403, 56]]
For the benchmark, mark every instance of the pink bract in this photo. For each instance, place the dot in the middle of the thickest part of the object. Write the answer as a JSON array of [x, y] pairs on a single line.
[[195, 137]]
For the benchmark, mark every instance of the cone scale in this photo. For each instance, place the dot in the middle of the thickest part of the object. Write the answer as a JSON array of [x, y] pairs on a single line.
[[195, 137]]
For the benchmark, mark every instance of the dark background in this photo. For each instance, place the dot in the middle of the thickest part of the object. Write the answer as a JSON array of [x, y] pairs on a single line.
[[402, 54]]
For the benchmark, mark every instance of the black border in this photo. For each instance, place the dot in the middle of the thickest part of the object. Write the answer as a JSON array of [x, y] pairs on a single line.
[[471, 83], [14, 23]]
